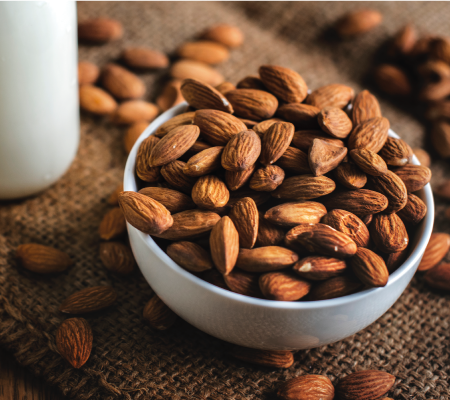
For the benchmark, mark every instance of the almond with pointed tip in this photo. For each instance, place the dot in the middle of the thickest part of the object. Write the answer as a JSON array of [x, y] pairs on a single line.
[[440, 138], [359, 202], [388, 232], [284, 83], [394, 81], [229, 35], [370, 134], [158, 315], [415, 177], [294, 213], [369, 162], [176, 178], [205, 51], [267, 179], [394, 260], [335, 122], [369, 268], [113, 224], [251, 82], [350, 176], [225, 87], [338, 286], [95, 100], [132, 111], [88, 73], [122, 83], [265, 259], [265, 358], [301, 115], [210, 192], [307, 387], [438, 277], [132, 134], [364, 385], [414, 210], [283, 286], [324, 157], [117, 257], [42, 259], [275, 142], [243, 283], [204, 162], [173, 200], [334, 95], [244, 214], [304, 139], [89, 300], [191, 69], [237, 179], [319, 268], [437, 248], [358, 22], [190, 256], [145, 58], [99, 30], [295, 161], [242, 151], [252, 103], [393, 188], [224, 244], [170, 95], [203, 96], [365, 107], [186, 118], [144, 170], [396, 152], [304, 187]]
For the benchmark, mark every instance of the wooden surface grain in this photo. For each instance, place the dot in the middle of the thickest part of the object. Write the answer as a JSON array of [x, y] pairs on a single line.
[[16, 383]]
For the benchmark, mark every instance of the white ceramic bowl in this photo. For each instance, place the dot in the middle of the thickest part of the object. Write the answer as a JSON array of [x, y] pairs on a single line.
[[266, 324]]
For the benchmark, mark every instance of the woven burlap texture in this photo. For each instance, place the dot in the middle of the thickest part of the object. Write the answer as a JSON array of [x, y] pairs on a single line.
[[130, 360]]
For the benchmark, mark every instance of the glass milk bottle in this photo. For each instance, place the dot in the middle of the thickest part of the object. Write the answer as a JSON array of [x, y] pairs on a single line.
[[39, 117]]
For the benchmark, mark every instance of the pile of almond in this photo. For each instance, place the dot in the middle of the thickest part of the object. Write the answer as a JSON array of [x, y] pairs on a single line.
[[277, 193]]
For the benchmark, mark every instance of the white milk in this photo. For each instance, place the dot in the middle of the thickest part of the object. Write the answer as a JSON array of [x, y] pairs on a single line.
[[39, 117]]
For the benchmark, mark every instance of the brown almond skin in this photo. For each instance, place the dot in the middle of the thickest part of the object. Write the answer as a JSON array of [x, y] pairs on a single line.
[[443, 190], [251, 82], [423, 156], [173, 200], [252, 104], [284, 83], [117, 257], [396, 152], [204, 162], [304, 187], [243, 283], [205, 51], [113, 224], [388, 232], [268, 233], [42, 259], [170, 95], [175, 177], [144, 58], [225, 87], [301, 115], [89, 300], [364, 385], [275, 142], [394, 260], [365, 107], [265, 358], [229, 35], [143, 168], [369, 268], [438, 277], [350, 176], [267, 179], [145, 214], [324, 157], [122, 83], [335, 95], [370, 134], [74, 341], [186, 118], [283, 286], [158, 315], [258, 197], [369, 162], [132, 111], [210, 192], [203, 96], [295, 161], [303, 139], [348, 223], [338, 286], [335, 122], [237, 179], [393, 188], [190, 256], [185, 69], [415, 177], [262, 127], [359, 202], [358, 22], [95, 100], [265, 259], [196, 148], [319, 268], [393, 80], [242, 151], [113, 199], [307, 387], [245, 216], [224, 244], [414, 210], [294, 213], [440, 138], [132, 135], [99, 30], [88, 73], [436, 250]]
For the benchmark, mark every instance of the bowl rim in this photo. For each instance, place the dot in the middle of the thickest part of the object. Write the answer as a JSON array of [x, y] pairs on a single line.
[[413, 259]]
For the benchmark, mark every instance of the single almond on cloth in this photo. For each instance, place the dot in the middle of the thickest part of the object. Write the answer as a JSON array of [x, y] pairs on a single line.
[[434, 91], [370, 135], [265, 259], [170, 96], [275, 142], [423, 156], [265, 358], [186, 118], [304, 187], [144, 213], [122, 83], [237, 179], [294, 213], [335, 287], [89, 300], [158, 315], [243, 283], [436, 250], [203, 96], [358, 22], [388, 232], [210, 192], [438, 277], [176, 178], [204, 162], [392, 80], [145, 58], [301, 115], [241, 151], [117, 257], [225, 87], [369, 268], [42, 259], [224, 244], [283, 286], [74, 341], [364, 385], [415, 177], [307, 387], [414, 210], [251, 82], [443, 190], [132, 134], [393, 188], [132, 111], [229, 35], [253, 104], [284, 83], [396, 152], [350, 176], [268, 233], [95, 100], [113, 224], [190, 69], [334, 95], [99, 30], [404, 40], [295, 161], [365, 107], [173, 145], [88, 73], [319, 268], [190, 256], [348, 223], [359, 202], [335, 122], [244, 214], [440, 138], [324, 157], [144, 170], [369, 162], [304, 139], [205, 51], [190, 224], [267, 179]]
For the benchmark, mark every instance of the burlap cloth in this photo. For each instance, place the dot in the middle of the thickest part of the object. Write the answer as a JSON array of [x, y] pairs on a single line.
[[130, 360]]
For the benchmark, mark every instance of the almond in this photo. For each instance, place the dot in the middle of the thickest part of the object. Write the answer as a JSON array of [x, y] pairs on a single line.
[[74, 341], [335, 95], [388, 232], [99, 30], [371, 135], [190, 69], [175, 177], [203, 96], [359, 202], [132, 134], [229, 35], [186, 118], [190, 256], [253, 104], [404, 41], [113, 224], [258, 197], [244, 214], [88, 300], [225, 87], [121, 83], [434, 71], [96, 100], [243, 283], [195, 149], [190, 224], [415, 177], [204, 162], [144, 170], [392, 80], [224, 243], [348, 223], [284, 83], [204, 51], [295, 161], [365, 107], [304, 139], [113, 199], [358, 22], [88, 73], [394, 260], [237, 179], [324, 157], [117, 258], [283, 286], [435, 91], [338, 286], [440, 138], [443, 190], [242, 151], [319, 268], [393, 188], [275, 142], [307, 387], [144, 213], [304, 187], [438, 277], [173, 200], [335, 122], [210, 192], [349, 175], [423, 156], [158, 315], [267, 179], [218, 127], [440, 49], [251, 82], [301, 115], [268, 234], [295, 213], [436, 250], [265, 358], [414, 210], [170, 96], [265, 259], [369, 268], [369, 162], [262, 127], [42, 259], [396, 152], [145, 58], [438, 110], [364, 385], [134, 111]]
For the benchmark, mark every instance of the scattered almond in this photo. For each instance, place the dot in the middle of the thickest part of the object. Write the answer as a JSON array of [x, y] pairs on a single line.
[[99, 30], [113, 224], [143, 57], [436, 250], [121, 83], [42, 259], [158, 315], [89, 300], [117, 258], [88, 73]]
